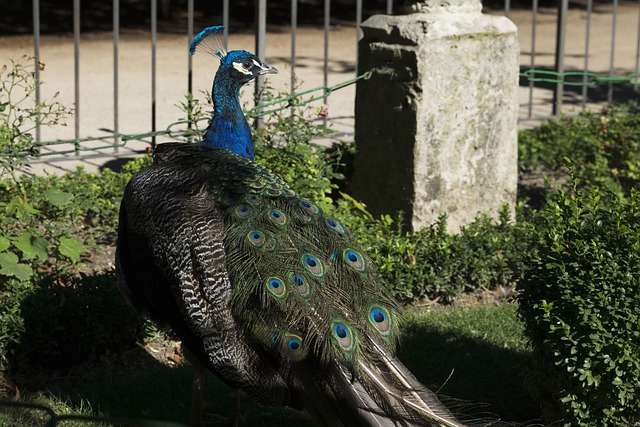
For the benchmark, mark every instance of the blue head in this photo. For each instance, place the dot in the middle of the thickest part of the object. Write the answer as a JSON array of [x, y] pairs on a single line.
[[228, 128]]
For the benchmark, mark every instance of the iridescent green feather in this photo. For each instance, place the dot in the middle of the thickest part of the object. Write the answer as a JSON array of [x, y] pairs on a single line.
[[271, 232], [321, 278]]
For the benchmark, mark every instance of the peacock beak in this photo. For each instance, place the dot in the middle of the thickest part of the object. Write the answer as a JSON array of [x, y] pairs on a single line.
[[267, 69]]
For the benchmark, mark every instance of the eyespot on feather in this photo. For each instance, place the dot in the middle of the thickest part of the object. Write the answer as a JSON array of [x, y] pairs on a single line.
[[380, 320], [309, 207], [242, 211], [277, 217], [276, 287], [253, 199], [309, 210], [292, 347], [343, 336], [313, 265], [334, 225], [300, 284], [256, 238], [354, 259]]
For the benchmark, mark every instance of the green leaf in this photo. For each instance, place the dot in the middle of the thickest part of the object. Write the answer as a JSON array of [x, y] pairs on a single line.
[[4, 243], [356, 204], [71, 247], [32, 246], [8, 258], [9, 266], [58, 198], [20, 208]]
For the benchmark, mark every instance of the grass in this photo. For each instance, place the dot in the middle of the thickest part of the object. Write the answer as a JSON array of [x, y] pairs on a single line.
[[475, 354], [472, 354], [39, 409]]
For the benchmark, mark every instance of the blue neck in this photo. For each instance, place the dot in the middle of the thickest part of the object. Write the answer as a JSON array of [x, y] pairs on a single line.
[[228, 128]]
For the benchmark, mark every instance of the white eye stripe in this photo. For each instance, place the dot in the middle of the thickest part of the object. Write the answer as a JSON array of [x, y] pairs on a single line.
[[240, 68], [256, 63]]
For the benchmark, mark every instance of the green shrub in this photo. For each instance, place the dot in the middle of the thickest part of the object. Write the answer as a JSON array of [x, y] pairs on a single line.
[[45, 237], [604, 146], [47, 226], [19, 115], [580, 303], [12, 294], [435, 264], [73, 319]]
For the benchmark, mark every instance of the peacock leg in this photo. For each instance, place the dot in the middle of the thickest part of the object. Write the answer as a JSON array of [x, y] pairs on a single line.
[[235, 417], [197, 397], [198, 415]]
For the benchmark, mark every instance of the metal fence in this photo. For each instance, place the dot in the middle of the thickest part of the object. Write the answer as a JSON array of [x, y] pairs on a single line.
[[578, 75], [539, 74]]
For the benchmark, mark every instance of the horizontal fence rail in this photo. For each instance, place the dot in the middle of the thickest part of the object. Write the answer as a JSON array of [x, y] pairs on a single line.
[[183, 129]]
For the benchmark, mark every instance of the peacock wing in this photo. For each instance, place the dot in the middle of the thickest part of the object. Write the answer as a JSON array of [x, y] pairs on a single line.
[[171, 264]]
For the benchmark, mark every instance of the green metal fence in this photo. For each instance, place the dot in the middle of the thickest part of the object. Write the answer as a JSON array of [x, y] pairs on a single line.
[[183, 129]]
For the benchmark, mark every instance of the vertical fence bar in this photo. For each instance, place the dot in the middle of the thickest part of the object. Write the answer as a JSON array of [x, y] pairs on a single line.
[[559, 66], [36, 59], [637, 69], [189, 59], [507, 7], [261, 35], [534, 20], [613, 50], [586, 54], [225, 22], [325, 68], [116, 46], [76, 72], [389, 7], [358, 30], [154, 41], [294, 29]]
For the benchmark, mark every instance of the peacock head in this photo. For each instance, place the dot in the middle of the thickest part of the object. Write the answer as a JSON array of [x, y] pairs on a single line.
[[237, 67], [242, 66]]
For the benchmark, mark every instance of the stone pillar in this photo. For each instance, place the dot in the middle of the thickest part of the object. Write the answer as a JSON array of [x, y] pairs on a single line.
[[436, 124]]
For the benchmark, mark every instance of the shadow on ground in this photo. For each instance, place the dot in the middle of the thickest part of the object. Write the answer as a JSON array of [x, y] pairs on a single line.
[[80, 344], [486, 382], [486, 379]]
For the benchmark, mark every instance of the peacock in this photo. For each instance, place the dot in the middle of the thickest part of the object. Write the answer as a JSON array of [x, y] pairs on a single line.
[[263, 288]]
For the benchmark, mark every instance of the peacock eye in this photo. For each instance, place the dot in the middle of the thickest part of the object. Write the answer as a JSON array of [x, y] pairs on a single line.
[[247, 64]]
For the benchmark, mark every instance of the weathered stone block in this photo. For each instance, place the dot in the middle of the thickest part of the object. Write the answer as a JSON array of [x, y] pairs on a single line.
[[436, 124]]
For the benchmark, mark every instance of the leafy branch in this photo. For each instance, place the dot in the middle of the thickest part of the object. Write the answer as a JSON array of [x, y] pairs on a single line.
[[20, 115]]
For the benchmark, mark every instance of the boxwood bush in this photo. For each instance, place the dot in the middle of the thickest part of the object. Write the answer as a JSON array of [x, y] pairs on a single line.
[[604, 146], [580, 303], [436, 265]]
